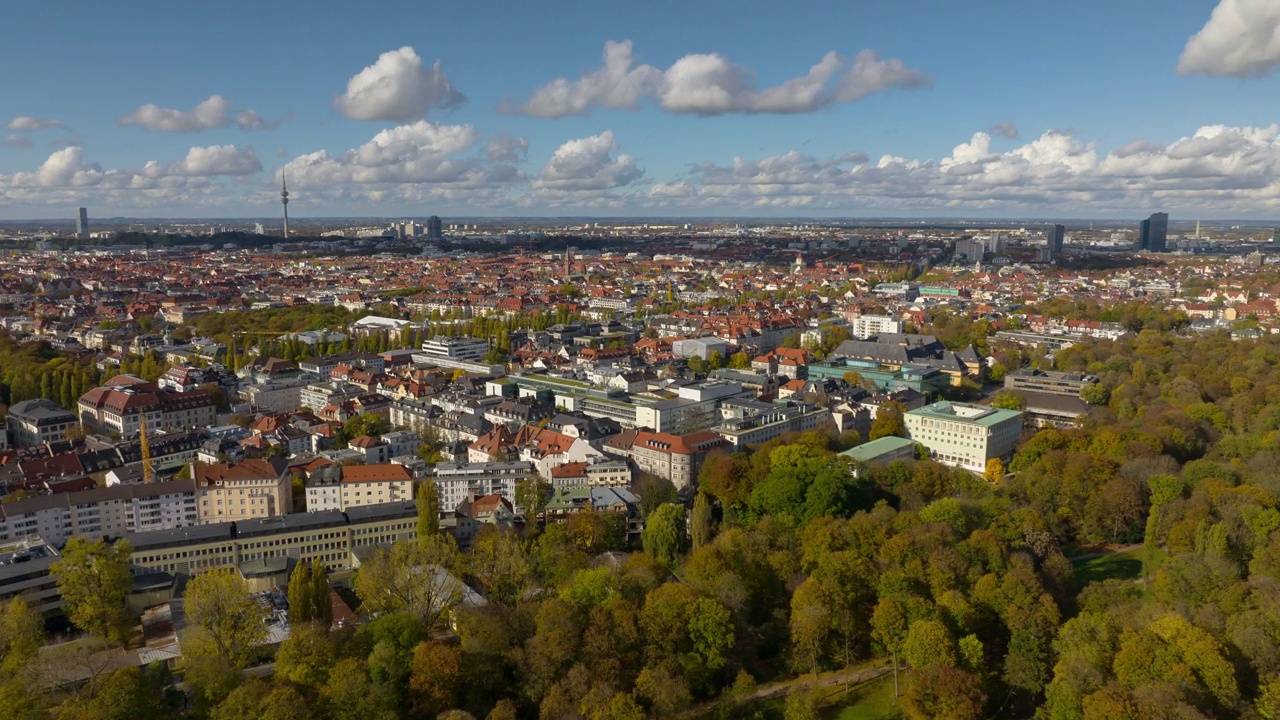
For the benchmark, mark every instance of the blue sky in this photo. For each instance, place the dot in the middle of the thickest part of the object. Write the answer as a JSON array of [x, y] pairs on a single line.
[[1088, 109]]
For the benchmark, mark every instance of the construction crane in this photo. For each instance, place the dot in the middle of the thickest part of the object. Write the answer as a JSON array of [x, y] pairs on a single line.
[[148, 470]]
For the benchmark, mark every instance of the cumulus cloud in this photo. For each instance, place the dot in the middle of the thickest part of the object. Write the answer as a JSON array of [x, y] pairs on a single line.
[[1005, 130], [1241, 39], [588, 164], [619, 85], [711, 84], [16, 141], [506, 148], [67, 168], [218, 160], [1218, 168], [24, 123], [419, 152], [397, 88], [215, 112]]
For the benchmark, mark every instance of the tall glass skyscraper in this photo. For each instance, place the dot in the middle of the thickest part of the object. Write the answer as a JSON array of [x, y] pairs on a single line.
[[1154, 233], [82, 224]]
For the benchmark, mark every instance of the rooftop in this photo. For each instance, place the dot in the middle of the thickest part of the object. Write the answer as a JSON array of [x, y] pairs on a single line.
[[868, 452], [964, 412]]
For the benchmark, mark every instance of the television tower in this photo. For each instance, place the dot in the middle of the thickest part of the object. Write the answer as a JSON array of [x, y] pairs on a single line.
[[284, 200]]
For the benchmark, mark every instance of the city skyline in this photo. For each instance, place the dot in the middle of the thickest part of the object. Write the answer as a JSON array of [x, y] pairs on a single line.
[[661, 111]]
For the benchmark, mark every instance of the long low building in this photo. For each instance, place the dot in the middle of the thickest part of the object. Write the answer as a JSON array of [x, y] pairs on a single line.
[[334, 539]]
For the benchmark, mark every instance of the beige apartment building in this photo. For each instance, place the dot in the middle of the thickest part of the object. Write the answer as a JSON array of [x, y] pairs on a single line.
[[247, 490], [374, 485]]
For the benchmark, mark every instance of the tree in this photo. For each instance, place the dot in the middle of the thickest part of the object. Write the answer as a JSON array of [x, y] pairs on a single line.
[[349, 694], [501, 566], [697, 364], [1009, 400], [801, 704], [1095, 394], [716, 360], [428, 506], [995, 470], [21, 632], [739, 361], [306, 655], [531, 495], [301, 604], [711, 632], [434, 677], [929, 642], [702, 524], [889, 421], [219, 602], [323, 604], [940, 692], [664, 534], [413, 577], [94, 581], [654, 490], [810, 626]]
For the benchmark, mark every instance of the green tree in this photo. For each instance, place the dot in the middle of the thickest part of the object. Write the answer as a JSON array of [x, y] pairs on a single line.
[[301, 603], [711, 632], [889, 421], [697, 364], [532, 494], [701, 522], [21, 631], [664, 534], [219, 602], [94, 581], [801, 704], [929, 642], [1095, 394], [428, 506], [739, 361], [501, 566], [414, 577], [1008, 400], [323, 603]]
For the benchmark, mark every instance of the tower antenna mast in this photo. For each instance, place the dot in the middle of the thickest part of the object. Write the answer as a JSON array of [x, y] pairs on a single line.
[[284, 200]]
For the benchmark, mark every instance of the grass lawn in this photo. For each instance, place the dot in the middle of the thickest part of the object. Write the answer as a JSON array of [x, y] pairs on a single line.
[[1125, 565], [872, 701]]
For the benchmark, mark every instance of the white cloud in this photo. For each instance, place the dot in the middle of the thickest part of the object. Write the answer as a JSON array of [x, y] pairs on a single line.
[[1219, 169], [711, 84], [588, 164], [24, 123], [16, 141], [1241, 39], [215, 112], [618, 85], [397, 88], [218, 160], [419, 152]]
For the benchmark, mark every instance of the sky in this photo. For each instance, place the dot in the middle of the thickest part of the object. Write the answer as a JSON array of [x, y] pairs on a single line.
[[750, 108]]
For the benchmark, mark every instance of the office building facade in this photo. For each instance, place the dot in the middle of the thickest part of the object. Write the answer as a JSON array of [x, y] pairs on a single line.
[[964, 435], [1153, 233]]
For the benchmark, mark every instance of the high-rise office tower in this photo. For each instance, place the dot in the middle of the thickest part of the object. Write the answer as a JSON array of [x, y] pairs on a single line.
[[1053, 240], [82, 224], [284, 201], [435, 229], [1154, 233]]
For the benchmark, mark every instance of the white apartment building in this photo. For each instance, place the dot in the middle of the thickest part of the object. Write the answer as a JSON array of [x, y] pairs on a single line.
[[35, 422], [456, 482], [865, 326], [963, 434], [110, 511], [455, 348], [277, 396]]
